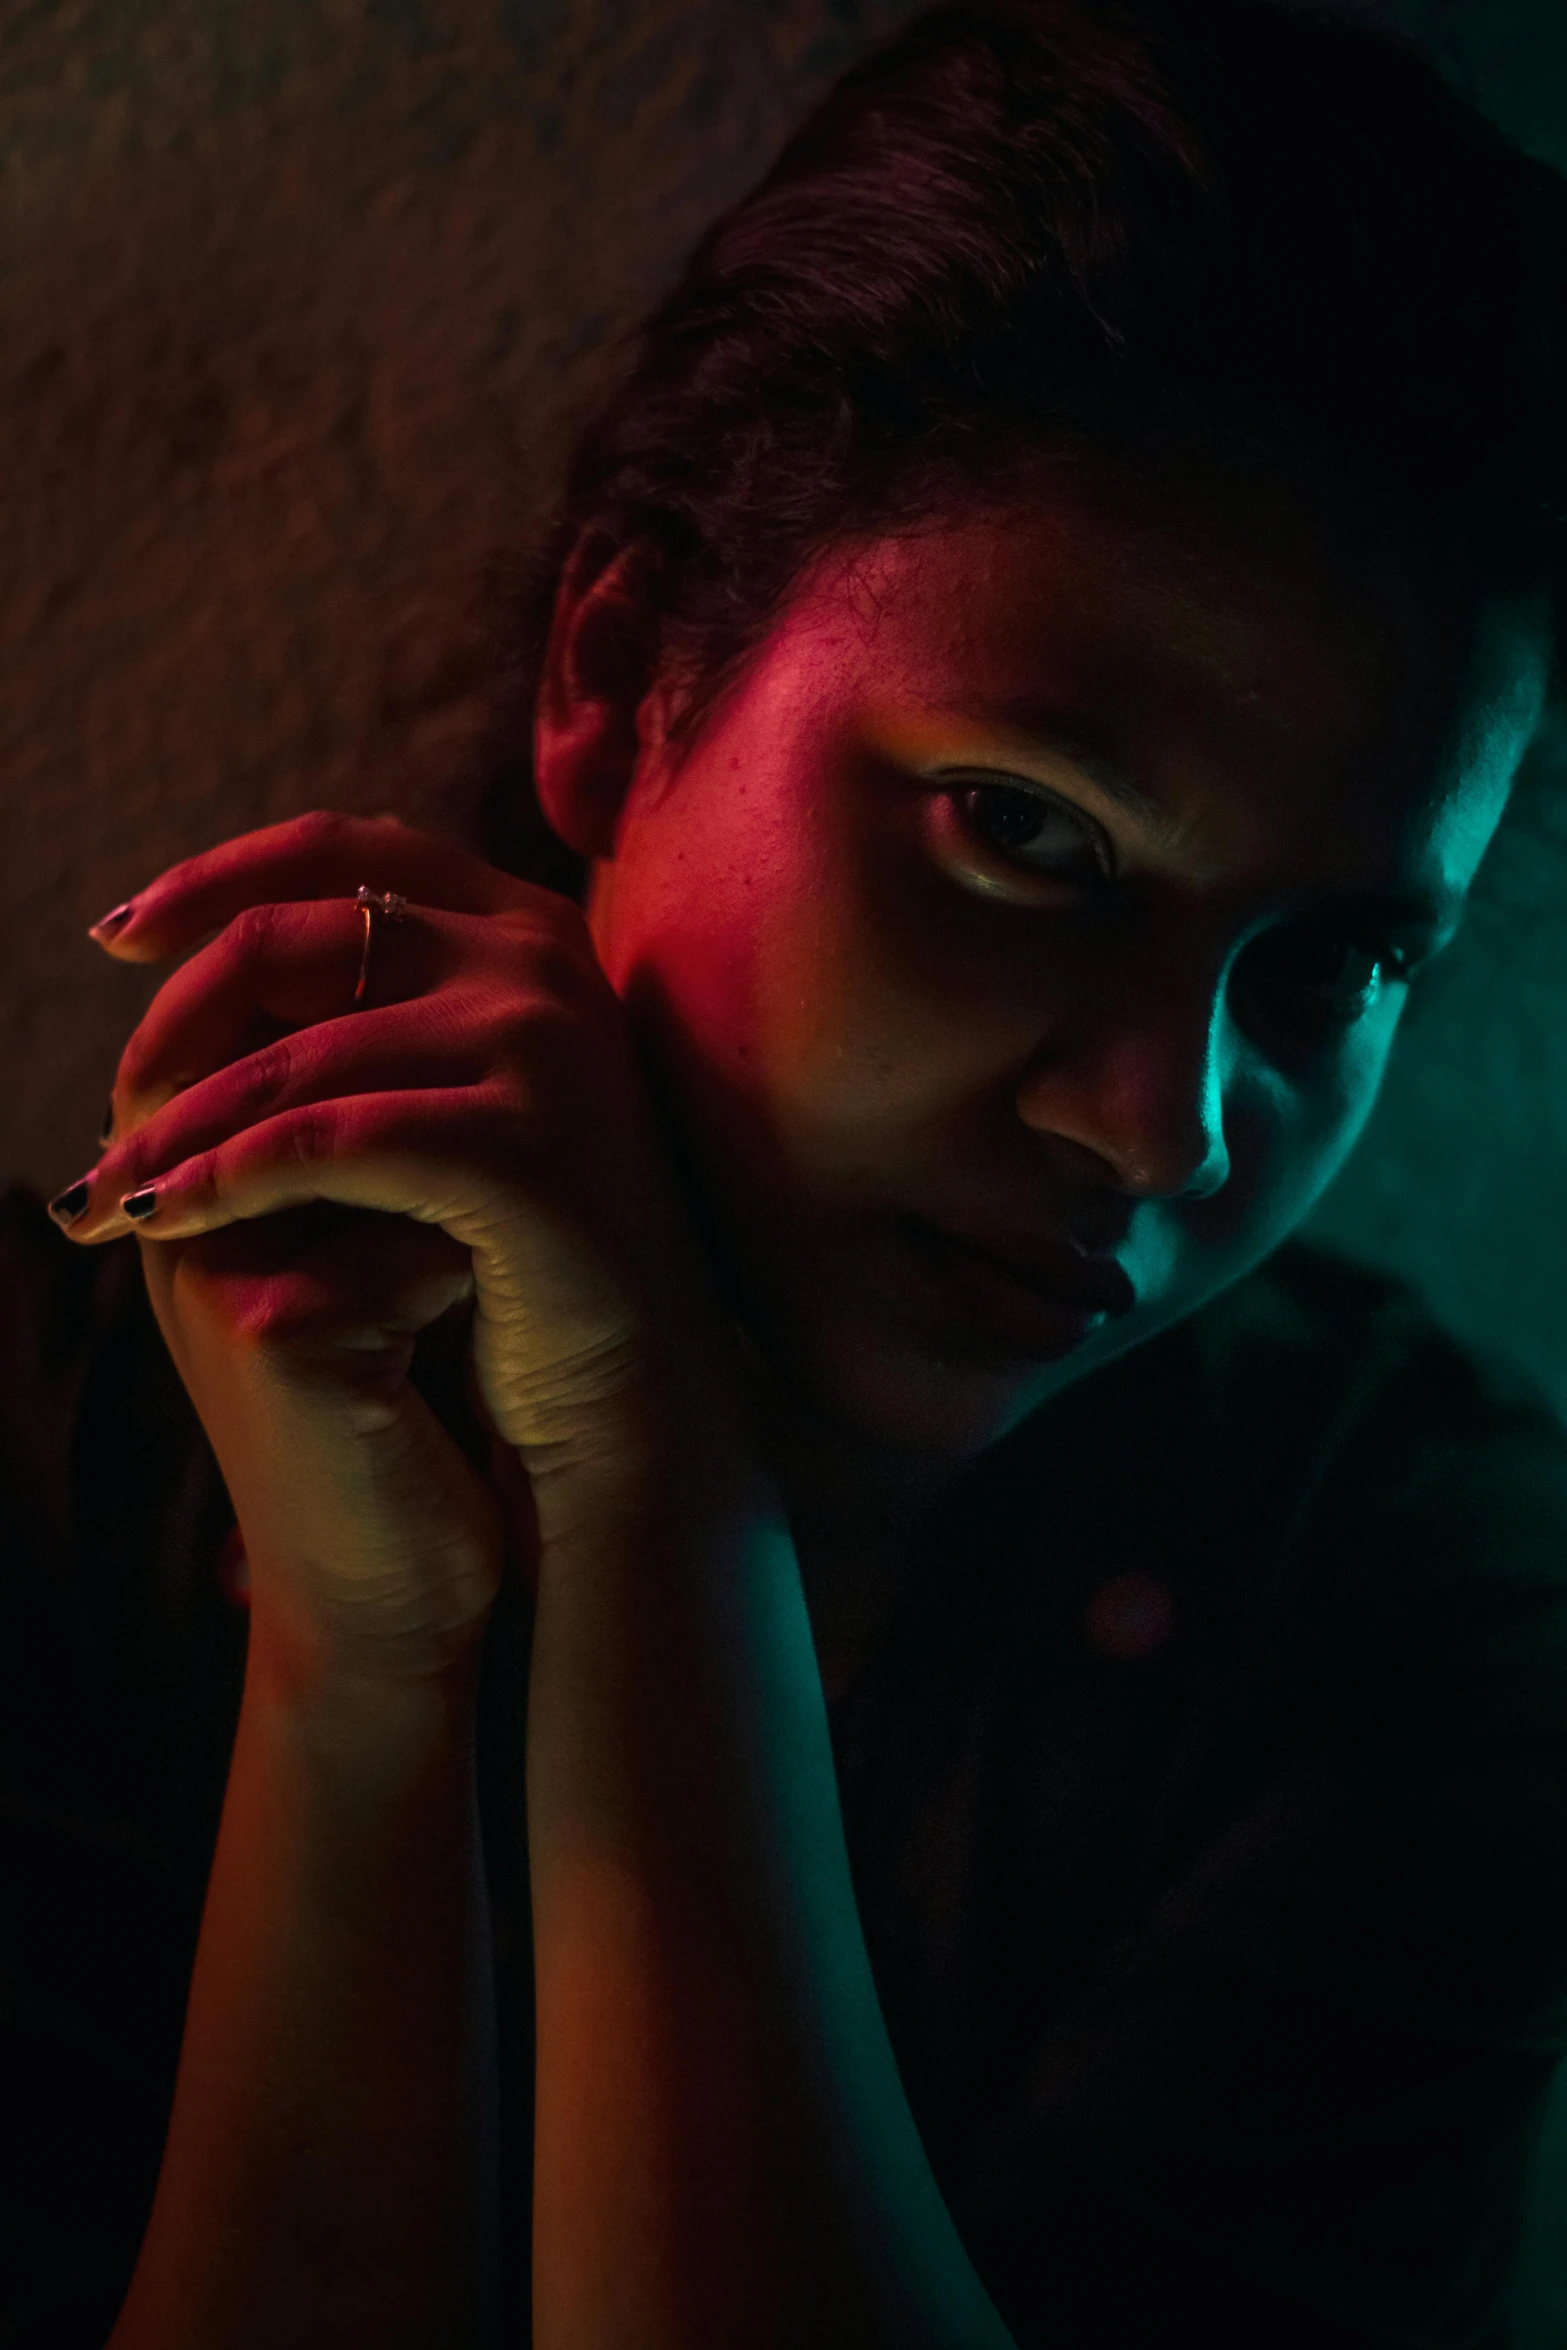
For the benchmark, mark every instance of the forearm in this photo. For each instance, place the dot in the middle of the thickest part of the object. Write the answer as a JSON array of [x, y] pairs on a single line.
[[723, 2150], [326, 2175]]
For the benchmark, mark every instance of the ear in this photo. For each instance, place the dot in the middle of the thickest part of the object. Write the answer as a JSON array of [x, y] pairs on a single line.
[[596, 689]]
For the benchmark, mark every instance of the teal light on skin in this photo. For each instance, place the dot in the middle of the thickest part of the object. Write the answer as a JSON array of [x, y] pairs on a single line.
[[858, 1004]]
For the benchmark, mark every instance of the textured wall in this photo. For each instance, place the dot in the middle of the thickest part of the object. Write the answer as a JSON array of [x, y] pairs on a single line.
[[298, 301]]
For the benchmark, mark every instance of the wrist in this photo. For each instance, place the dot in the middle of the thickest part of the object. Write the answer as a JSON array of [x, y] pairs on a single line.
[[363, 1692], [676, 1448]]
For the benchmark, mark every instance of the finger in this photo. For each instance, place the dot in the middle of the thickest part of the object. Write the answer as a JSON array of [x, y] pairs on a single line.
[[370, 1151], [322, 855], [364, 1287], [430, 1044], [565, 1325], [310, 1321], [275, 967], [281, 969]]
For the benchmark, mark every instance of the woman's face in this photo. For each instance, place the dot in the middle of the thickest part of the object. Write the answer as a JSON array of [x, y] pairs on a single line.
[[1053, 880]]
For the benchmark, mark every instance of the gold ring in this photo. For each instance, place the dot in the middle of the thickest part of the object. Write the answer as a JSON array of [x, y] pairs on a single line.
[[372, 902]]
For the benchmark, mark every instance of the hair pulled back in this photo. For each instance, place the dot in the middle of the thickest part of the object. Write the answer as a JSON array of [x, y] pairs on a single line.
[[1026, 225]]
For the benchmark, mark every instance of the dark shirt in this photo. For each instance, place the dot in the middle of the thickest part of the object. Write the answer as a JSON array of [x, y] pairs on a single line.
[[1207, 1806]]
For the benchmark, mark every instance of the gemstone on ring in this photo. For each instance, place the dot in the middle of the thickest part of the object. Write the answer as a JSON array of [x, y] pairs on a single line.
[[391, 907], [380, 901]]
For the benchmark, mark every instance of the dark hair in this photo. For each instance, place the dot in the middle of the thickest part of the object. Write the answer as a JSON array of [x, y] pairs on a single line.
[[1023, 224]]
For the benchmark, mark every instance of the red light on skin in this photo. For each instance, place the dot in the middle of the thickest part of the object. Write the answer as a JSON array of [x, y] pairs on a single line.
[[1130, 1617]]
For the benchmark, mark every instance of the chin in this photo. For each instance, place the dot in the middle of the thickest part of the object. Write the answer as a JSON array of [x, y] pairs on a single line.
[[904, 1367], [933, 1402]]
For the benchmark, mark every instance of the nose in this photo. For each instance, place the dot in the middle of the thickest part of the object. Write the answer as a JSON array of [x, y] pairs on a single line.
[[1140, 1086]]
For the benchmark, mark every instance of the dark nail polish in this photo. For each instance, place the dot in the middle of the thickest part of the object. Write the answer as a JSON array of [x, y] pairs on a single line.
[[70, 1204], [138, 1205], [106, 1130], [113, 922]]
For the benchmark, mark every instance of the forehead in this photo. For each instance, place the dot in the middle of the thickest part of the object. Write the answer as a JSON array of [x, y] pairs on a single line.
[[1279, 682]]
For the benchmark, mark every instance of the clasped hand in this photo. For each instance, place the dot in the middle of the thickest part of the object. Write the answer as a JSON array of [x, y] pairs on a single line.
[[320, 1183]]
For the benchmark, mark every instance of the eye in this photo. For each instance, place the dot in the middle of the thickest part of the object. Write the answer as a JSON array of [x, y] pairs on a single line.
[[1031, 829], [1315, 985]]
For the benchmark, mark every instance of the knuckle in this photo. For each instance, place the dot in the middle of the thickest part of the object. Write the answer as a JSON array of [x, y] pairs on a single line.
[[521, 1037], [386, 825], [130, 1159], [141, 1090], [252, 932], [499, 1017], [559, 967], [544, 919], [273, 1312], [316, 1134], [491, 1145], [490, 1106], [248, 1298], [130, 1075], [479, 1024], [270, 1073], [194, 873], [558, 964], [320, 830], [204, 1177]]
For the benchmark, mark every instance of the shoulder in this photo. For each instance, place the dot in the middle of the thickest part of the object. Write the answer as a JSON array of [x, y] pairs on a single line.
[[1395, 1637], [1322, 1395], [1383, 1505], [1311, 1452], [1360, 1527], [1343, 1347], [1311, 1433], [1341, 1954]]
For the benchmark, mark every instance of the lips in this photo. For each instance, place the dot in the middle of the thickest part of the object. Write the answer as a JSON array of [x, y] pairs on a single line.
[[1053, 1271]]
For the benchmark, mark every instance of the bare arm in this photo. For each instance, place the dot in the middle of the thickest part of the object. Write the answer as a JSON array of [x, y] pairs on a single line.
[[724, 2152], [327, 2176]]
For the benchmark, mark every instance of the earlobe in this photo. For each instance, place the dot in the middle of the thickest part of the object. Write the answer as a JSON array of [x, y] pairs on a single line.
[[599, 669]]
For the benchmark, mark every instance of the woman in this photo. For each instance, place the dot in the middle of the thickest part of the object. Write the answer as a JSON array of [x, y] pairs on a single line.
[[1037, 1704]]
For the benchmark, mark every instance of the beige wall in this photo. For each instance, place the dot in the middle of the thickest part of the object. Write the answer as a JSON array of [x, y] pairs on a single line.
[[298, 301]]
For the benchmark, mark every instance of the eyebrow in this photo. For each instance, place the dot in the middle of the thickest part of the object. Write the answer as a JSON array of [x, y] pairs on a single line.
[[1415, 910]]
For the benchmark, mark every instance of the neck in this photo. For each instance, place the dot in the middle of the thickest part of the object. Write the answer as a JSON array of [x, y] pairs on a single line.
[[854, 1508]]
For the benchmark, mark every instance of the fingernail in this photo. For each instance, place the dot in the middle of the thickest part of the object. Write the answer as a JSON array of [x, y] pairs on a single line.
[[113, 923], [106, 1130], [72, 1203], [138, 1205]]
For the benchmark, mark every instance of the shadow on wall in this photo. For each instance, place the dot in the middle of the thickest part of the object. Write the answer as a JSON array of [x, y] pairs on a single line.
[[300, 305]]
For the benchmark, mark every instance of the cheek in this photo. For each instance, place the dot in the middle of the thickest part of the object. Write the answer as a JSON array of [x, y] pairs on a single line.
[[730, 943], [803, 1002], [897, 1003], [1331, 1118], [778, 924], [1287, 1138]]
